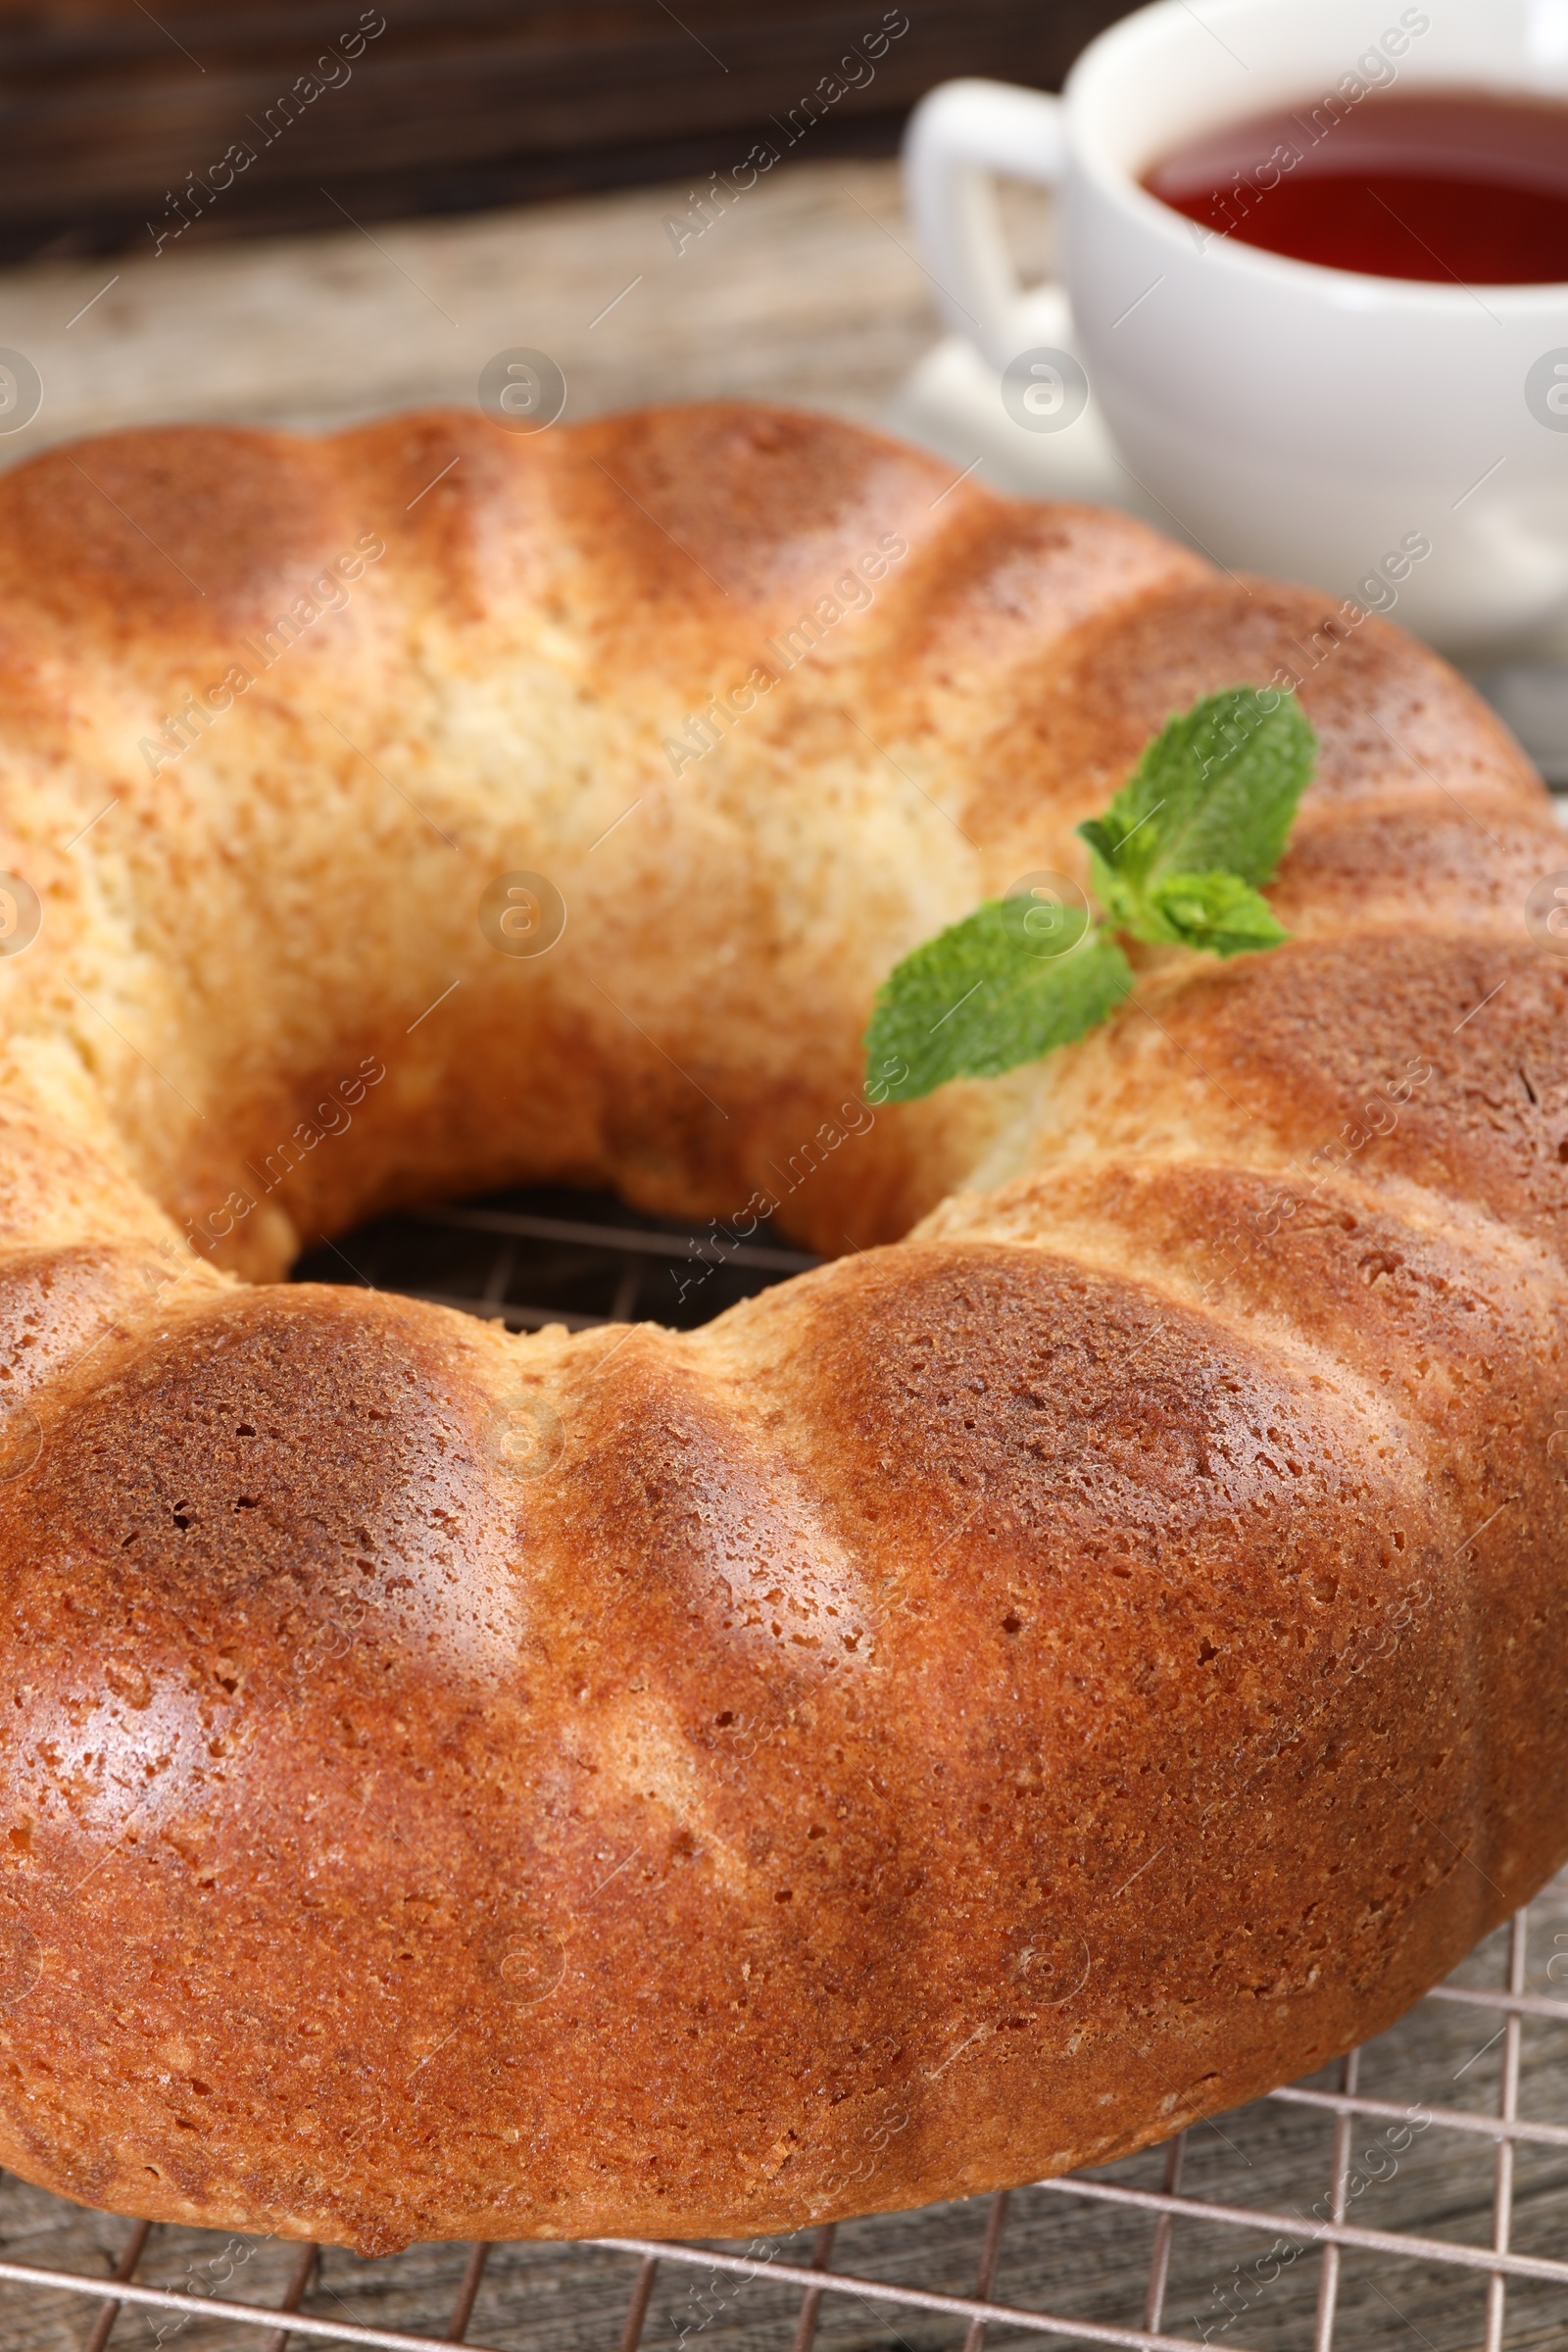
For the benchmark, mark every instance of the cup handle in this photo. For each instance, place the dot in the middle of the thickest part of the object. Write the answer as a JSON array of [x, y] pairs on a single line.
[[959, 136]]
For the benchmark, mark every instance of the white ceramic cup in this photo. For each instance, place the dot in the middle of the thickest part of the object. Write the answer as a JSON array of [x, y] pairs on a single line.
[[1294, 420]]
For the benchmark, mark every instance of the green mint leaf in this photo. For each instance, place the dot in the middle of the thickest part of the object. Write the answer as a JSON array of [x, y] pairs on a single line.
[[1008, 984], [1216, 791], [1102, 843], [1175, 859], [1218, 912], [1122, 900]]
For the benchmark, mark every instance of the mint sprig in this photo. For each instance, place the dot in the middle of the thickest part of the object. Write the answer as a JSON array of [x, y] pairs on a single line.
[[1175, 861]]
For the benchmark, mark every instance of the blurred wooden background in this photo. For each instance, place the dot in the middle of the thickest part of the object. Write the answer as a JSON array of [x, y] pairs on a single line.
[[807, 291], [115, 116]]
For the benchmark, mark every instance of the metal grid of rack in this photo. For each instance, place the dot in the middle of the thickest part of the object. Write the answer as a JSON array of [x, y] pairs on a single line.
[[1415, 2194]]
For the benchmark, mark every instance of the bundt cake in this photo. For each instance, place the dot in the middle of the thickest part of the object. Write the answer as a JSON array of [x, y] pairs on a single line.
[[1094, 1649]]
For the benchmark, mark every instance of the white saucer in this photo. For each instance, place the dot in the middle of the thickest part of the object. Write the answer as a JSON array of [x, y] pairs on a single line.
[[951, 402]]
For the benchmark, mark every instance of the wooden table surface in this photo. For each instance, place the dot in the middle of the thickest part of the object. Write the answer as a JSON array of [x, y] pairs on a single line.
[[806, 290]]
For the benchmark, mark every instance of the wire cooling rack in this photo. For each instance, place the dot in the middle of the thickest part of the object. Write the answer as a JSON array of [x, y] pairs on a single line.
[[1415, 2195]]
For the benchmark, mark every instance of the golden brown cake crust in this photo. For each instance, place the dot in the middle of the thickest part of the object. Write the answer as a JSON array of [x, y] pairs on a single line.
[[960, 1715]]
